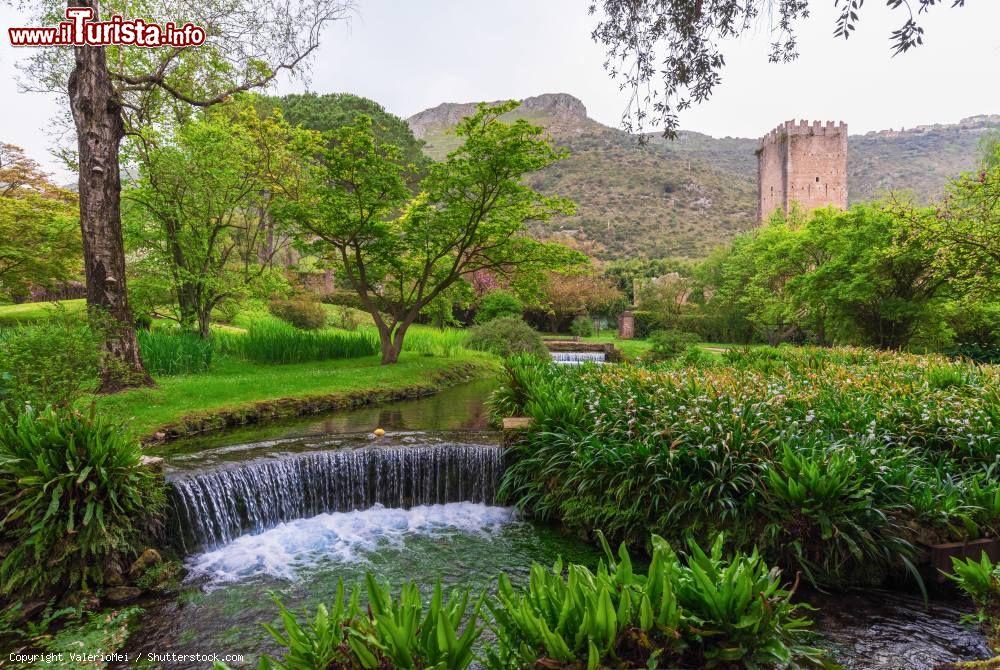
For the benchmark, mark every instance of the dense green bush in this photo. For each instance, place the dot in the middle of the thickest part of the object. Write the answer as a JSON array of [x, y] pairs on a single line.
[[347, 318], [582, 326], [167, 352], [73, 496], [823, 518], [669, 344], [645, 323], [269, 340], [498, 304], [507, 336], [51, 362], [301, 312], [834, 462]]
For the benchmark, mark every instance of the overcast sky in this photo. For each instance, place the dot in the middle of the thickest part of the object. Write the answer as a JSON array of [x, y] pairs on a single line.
[[413, 54]]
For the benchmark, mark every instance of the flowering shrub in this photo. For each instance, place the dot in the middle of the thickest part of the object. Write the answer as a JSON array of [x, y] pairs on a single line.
[[830, 459]]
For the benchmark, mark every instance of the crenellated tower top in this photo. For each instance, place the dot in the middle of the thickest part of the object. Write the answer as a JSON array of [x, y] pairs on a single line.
[[802, 163]]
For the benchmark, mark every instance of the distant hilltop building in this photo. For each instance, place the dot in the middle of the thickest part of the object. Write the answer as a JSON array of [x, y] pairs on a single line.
[[804, 163]]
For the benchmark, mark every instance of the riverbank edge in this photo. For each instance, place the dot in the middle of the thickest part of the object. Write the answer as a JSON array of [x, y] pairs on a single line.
[[275, 409]]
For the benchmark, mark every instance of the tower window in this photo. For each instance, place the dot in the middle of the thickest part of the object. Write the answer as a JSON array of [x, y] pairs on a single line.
[[817, 180]]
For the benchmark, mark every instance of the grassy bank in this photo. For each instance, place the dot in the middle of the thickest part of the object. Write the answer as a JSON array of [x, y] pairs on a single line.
[[235, 392]]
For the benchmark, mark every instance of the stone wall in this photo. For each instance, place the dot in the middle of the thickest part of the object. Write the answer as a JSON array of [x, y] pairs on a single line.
[[804, 163]]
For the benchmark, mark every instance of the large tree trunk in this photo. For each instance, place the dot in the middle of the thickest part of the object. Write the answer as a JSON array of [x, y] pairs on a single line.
[[99, 130], [390, 352]]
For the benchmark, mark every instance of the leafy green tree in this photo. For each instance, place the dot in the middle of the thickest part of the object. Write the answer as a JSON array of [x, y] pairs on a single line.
[[565, 295], [751, 282], [116, 91], [497, 304], [39, 233], [331, 111], [630, 272], [854, 276], [879, 275], [199, 214], [965, 227], [399, 251]]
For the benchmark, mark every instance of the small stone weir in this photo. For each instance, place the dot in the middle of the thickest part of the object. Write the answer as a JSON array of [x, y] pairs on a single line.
[[212, 507], [574, 352], [577, 357]]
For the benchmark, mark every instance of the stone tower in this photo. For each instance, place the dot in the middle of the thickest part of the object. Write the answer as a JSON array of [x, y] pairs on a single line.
[[802, 163]]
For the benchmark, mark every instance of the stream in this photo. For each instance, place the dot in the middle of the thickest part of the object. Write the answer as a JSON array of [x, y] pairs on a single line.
[[289, 509]]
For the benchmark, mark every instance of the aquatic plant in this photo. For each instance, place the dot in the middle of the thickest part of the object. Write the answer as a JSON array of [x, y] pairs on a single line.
[[980, 580], [702, 611], [408, 636], [392, 633], [319, 642], [824, 517]]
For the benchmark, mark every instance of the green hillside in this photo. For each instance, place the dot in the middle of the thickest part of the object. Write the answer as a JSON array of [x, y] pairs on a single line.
[[684, 197]]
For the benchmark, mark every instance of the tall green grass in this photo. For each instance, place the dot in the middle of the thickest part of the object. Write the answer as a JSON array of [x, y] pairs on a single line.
[[428, 341], [273, 341], [166, 352]]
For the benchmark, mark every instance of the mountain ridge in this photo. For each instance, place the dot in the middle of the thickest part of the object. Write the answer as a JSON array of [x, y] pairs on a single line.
[[684, 197]]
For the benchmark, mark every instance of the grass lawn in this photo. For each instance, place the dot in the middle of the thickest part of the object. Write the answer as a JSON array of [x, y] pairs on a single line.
[[629, 348], [14, 315], [235, 384]]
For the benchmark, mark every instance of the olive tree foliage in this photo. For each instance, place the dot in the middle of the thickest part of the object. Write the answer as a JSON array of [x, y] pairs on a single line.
[[679, 43], [400, 249], [118, 92]]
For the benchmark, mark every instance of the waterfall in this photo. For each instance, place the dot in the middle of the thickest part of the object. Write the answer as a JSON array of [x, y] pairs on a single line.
[[577, 357], [213, 507]]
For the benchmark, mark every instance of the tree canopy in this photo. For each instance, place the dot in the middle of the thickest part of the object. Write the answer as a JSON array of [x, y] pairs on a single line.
[[199, 216], [119, 91], [400, 250], [39, 233], [331, 111], [679, 43]]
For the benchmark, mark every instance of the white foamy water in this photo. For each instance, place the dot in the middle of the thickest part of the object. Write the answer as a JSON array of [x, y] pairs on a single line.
[[285, 550]]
